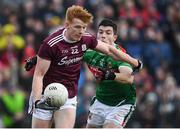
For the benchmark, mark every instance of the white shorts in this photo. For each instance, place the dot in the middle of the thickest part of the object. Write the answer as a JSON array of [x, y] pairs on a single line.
[[47, 114], [100, 114]]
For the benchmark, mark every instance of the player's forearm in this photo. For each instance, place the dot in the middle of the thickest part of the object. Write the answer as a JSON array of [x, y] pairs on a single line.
[[124, 78], [37, 87], [119, 55]]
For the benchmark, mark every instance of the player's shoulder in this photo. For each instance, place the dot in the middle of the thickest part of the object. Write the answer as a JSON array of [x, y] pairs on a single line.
[[90, 40], [87, 35], [121, 48], [90, 51], [54, 37]]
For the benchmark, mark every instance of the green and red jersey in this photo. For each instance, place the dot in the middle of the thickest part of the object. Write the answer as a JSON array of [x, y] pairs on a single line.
[[110, 92]]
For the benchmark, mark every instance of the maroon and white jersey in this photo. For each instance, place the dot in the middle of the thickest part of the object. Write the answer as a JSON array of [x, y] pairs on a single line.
[[66, 59]]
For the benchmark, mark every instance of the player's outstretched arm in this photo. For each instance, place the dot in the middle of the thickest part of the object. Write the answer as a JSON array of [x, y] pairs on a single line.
[[118, 55]]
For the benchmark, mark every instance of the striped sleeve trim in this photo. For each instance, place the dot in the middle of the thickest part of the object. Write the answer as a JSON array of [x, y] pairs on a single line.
[[126, 67], [55, 40]]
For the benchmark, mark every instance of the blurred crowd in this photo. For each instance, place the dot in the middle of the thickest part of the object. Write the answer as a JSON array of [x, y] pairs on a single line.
[[148, 29]]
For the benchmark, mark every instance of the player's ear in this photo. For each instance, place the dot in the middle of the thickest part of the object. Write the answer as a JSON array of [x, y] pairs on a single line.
[[67, 24], [115, 37]]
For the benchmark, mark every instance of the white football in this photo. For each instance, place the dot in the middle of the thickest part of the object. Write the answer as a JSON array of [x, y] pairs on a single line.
[[56, 94]]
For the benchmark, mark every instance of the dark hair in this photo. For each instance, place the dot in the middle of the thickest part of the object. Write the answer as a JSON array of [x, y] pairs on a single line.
[[108, 22]]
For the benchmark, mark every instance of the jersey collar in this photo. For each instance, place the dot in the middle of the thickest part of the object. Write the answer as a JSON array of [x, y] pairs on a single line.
[[67, 40]]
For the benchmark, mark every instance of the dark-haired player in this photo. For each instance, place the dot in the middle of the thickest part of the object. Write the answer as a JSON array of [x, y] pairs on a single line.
[[115, 96]]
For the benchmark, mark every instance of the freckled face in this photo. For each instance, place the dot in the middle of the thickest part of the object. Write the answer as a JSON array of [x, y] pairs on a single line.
[[76, 29]]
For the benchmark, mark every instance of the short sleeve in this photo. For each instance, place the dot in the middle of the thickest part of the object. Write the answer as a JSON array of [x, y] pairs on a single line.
[[124, 64], [46, 52]]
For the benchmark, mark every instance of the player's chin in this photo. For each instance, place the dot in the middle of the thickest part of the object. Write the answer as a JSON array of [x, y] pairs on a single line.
[[77, 39], [105, 41]]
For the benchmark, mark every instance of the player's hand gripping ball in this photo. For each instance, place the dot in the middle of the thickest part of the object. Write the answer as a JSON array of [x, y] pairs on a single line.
[[56, 94]]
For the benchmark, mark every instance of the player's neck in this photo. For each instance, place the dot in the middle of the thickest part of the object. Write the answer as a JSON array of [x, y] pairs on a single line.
[[67, 37]]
